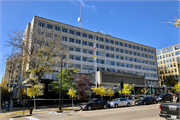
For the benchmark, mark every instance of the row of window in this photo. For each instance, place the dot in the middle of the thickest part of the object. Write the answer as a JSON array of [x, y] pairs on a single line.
[[65, 30], [100, 61], [164, 61], [168, 71], [167, 55], [168, 66]]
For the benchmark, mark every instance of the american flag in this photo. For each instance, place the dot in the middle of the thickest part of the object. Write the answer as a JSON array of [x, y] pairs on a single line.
[[95, 49]]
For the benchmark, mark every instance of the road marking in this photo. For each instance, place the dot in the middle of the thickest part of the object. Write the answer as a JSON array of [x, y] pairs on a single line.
[[1, 116], [32, 118], [11, 119], [72, 118]]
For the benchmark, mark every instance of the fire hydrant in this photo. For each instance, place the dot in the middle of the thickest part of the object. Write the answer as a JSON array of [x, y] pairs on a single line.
[[30, 110]]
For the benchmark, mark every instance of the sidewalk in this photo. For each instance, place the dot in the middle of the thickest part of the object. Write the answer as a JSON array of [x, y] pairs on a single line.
[[18, 112]]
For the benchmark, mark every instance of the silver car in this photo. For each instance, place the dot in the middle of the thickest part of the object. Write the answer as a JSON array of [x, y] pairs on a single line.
[[120, 102]]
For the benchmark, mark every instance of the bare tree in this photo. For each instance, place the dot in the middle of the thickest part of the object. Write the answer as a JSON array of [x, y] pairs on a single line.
[[39, 51]]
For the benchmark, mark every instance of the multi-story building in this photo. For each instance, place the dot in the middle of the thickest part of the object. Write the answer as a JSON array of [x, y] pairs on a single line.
[[168, 59], [113, 54]]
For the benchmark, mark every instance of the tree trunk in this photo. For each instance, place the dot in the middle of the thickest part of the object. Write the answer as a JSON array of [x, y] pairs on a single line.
[[72, 102], [34, 104]]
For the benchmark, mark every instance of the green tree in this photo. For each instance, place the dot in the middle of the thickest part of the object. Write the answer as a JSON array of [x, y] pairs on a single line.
[[170, 80], [110, 93], [67, 80], [72, 93], [126, 90], [100, 90], [177, 87]]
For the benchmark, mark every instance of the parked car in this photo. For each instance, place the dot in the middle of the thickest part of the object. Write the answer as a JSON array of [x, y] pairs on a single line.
[[170, 111], [120, 102], [165, 97], [94, 104], [145, 100]]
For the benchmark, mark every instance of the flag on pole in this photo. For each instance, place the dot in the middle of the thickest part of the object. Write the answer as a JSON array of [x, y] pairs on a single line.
[[95, 49]]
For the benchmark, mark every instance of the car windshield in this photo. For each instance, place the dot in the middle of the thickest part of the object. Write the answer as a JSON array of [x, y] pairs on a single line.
[[161, 95], [142, 98], [114, 100], [90, 101]]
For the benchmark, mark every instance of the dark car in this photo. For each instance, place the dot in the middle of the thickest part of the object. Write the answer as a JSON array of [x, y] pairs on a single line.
[[165, 97], [94, 104], [145, 100]]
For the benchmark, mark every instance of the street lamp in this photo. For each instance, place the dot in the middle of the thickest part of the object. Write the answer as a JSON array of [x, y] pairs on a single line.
[[150, 90], [134, 90], [10, 85], [62, 57]]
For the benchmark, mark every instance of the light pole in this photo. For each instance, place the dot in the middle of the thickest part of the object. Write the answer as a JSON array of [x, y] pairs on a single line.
[[62, 57], [10, 85], [134, 90], [150, 90], [153, 90]]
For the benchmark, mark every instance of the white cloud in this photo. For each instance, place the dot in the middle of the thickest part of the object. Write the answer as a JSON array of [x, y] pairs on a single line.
[[112, 13], [86, 5]]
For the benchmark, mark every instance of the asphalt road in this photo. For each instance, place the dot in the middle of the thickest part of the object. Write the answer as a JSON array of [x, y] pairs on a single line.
[[147, 112]]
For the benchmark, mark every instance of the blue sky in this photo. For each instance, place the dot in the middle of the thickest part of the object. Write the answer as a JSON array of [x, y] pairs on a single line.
[[136, 21]]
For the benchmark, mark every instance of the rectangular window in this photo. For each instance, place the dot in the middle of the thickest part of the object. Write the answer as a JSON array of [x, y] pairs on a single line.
[[117, 57], [78, 33], [41, 24], [78, 49], [108, 62], [142, 55], [57, 28], [107, 55], [90, 52], [85, 35], [121, 51], [71, 48], [49, 26], [130, 46], [90, 44], [139, 61], [64, 30], [145, 49], [64, 38], [78, 58], [71, 57], [134, 53], [90, 60], [152, 51], [112, 55], [85, 67], [138, 54], [150, 57], [78, 41], [101, 39], [85, 51], [112, 63], [84, 43], [126, 51], [107, 47], [122, 64], [116, 43], [130, 52], [122, 57], [112, 41], [102, 54], [149, 50], [102, 46], [85, 59], [142, 49], [102, 61], [71, 40], [137, 48], [71, 32], [125, 45], [117, 49], [127, 58], [146, 56], [135, 60], [97, 45], [121, 44], [97, 38], [112, 49], [134, 47], [107, 40], [169, 54], [127, 65], [90, 36], [117, 63]]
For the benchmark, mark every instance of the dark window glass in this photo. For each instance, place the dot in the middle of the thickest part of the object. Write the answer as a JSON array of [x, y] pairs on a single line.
[[49, 26], [64, 30], [78, 33], [112, 41], [107, 41], [116, 43], [121, 44], [71, 32]]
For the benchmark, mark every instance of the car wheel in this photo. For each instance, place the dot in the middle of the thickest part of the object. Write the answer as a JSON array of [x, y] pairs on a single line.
[[144, 103], [171, 100], [89, 108], [154, 102], [116, 105], [128, 104], [104, 106]]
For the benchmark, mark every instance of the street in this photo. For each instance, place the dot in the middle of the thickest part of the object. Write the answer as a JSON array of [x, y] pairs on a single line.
[[147, 112]]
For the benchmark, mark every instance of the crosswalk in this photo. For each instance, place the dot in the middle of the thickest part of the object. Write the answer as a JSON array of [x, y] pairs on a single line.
[[28, 118]]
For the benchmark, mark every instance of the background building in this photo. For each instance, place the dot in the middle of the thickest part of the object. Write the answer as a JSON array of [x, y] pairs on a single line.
[[168, 60]]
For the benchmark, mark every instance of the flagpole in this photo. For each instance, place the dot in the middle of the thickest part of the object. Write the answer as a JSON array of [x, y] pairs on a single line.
[[80, 15], [95, 61]]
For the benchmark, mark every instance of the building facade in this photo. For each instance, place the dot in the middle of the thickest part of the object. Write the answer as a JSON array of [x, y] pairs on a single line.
[[113, 54], [168, 61]]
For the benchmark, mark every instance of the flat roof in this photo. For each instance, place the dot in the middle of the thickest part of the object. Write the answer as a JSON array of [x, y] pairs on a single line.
[[92, 31]]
